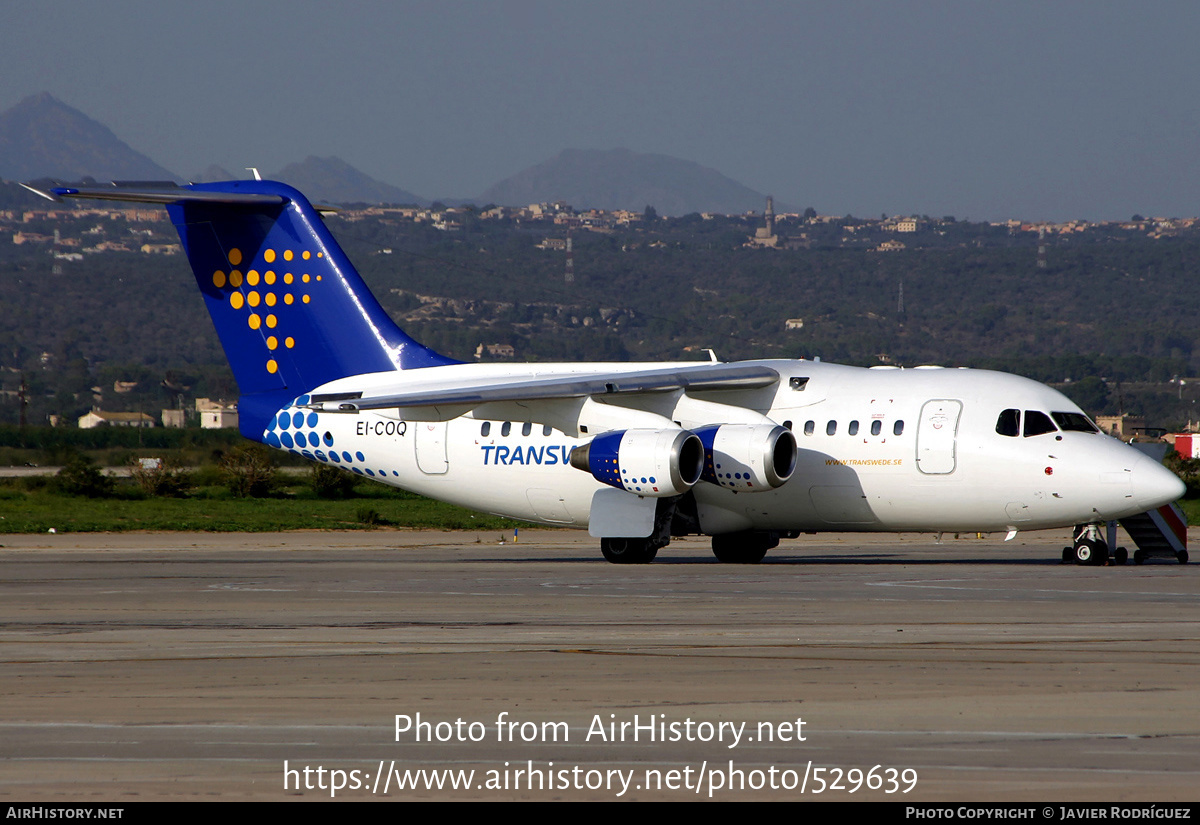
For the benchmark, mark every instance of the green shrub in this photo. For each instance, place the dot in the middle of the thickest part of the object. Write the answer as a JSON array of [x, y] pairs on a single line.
[[81, 477], [165, 479], [208, 476], [332, 482], [369, 515], [35, 483], [248, 471]]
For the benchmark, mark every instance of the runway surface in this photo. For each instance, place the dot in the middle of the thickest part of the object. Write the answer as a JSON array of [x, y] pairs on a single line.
[[194, 666]]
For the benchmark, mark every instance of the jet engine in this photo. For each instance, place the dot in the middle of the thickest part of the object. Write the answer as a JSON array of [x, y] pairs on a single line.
[[748, 457], [654, 463]]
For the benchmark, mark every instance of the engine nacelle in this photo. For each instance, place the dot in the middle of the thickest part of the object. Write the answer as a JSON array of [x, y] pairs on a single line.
[[748, 457], [652, 463]]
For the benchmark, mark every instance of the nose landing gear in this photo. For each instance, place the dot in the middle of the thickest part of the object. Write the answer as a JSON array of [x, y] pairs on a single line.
[[1089, 547]]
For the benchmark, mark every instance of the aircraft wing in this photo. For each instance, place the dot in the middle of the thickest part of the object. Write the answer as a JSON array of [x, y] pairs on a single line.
[[702, 377]]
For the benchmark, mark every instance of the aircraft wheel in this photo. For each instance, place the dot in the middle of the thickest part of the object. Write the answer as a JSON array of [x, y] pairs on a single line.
[[740, 548], [1090, 552], [1121, 555], [1068, 555], [628, 551], [1182, 556], [1139, 556]]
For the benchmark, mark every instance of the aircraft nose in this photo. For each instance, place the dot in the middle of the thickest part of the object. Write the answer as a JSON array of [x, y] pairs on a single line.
[[1154, 485]]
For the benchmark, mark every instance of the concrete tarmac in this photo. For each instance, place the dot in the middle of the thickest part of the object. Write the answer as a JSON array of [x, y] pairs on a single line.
[[197, 666]]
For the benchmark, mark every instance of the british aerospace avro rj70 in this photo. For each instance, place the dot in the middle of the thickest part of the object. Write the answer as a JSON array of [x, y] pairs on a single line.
[[637, 453]]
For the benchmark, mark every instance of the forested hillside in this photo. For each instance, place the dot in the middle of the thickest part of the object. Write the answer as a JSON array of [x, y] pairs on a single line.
[[1116, 309]]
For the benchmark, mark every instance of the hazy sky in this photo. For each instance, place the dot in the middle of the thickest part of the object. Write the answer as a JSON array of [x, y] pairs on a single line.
[[976, 109]]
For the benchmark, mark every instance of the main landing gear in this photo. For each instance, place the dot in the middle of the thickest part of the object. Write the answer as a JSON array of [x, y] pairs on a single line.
[[1089, 547], [629, 551], [746, 547]]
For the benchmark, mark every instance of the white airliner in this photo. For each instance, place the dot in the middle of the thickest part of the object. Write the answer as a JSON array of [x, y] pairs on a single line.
[[747, 452]]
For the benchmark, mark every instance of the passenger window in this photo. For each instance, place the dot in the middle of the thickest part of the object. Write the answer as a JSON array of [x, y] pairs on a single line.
[[787, 425], [876, 427], [527, 428], [547, 429], [898, 428], [1009, 423], [1038, 423], [505, 428], [853, 428], [831, 428], [809, 427], [485, 428]]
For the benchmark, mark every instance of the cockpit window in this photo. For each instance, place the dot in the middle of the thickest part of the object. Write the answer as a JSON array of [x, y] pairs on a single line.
[[1038, 423], [1009, 423], [1074, 422]]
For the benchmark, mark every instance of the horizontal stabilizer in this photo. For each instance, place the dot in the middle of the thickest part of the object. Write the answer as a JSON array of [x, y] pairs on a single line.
[[143, 192], [164, 193]]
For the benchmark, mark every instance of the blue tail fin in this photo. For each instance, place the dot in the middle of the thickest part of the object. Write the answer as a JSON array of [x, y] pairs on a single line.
[[290, 309]]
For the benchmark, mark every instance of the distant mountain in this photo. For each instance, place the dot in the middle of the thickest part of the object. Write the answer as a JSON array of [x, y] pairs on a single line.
[[333, 180], [621, 179], [44, 137], [215, 173]]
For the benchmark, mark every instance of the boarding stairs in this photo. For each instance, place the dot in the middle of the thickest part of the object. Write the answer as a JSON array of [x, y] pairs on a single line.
[[1161, 532]]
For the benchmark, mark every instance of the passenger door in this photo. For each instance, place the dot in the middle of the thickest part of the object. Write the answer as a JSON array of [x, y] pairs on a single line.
[[431, 447], [937, 434]]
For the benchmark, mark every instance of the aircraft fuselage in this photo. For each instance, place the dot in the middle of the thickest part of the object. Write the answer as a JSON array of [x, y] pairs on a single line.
[[878, 450]]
